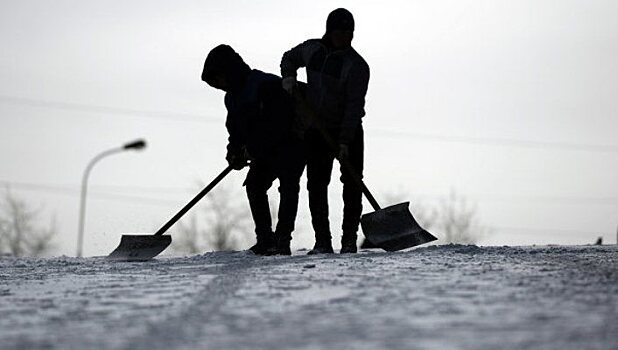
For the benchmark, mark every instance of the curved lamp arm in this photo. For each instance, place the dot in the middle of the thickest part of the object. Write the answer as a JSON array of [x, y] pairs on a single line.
[[135, 145]]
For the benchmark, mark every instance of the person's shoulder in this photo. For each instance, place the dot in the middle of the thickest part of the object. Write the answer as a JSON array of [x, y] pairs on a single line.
[[267, 83], [265, 78], [313, 43], [358, 60]]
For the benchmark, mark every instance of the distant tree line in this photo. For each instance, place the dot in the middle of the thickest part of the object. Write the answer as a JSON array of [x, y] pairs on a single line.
[[224, 223], [221, 223], [455, 220], [20, 231]]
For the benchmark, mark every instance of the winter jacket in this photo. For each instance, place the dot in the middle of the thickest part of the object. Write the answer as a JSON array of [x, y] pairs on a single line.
[[260, 116], [337, 83]]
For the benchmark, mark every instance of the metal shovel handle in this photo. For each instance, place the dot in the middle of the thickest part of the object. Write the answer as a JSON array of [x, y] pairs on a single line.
[[194, 201]]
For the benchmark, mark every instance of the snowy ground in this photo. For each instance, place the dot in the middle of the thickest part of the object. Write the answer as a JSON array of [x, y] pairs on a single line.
[[439, 297]]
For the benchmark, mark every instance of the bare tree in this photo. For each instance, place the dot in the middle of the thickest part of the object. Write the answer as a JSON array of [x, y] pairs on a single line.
[[455, 221], [223, 224], [20, 234]]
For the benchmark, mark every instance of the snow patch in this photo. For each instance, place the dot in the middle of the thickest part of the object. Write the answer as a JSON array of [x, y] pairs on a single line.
[[435, 297]]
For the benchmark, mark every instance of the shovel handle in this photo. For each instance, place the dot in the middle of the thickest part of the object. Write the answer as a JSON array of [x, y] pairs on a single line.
[[359, 182], [194, 201]]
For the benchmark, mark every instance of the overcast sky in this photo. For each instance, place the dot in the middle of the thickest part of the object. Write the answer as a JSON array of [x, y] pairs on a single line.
[[511, 104]]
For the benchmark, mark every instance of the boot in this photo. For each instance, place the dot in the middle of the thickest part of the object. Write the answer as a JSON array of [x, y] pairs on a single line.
[[283, 244], [348, 244], [321, 248], [265, 246]]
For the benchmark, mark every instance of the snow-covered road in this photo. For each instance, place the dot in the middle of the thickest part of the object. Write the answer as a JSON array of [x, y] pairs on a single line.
[[438, 297]]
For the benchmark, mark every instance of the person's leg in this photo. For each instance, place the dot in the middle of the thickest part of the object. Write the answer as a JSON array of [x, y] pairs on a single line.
[[319, 169], [289, 169], [259, 179], [352, 193]]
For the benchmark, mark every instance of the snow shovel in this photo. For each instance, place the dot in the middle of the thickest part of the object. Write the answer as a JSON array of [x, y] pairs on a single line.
[[146, 247], [392, 228]]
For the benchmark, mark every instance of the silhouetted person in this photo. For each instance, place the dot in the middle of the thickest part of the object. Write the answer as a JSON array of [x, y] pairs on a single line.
[[260, 124], [337, 80]]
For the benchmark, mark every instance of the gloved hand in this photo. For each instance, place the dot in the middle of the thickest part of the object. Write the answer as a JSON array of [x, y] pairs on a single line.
[[344, 151], [237, 160], [289, 84]]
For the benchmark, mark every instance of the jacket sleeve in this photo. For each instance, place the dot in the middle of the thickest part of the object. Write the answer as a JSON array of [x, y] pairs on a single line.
[[236, 128], [356, 89], [296, 58]]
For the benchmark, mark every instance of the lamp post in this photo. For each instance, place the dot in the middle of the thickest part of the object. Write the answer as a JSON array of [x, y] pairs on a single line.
[[135, 145]]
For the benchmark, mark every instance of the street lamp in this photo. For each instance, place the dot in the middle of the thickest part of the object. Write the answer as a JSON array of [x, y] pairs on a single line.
[[134, 145]]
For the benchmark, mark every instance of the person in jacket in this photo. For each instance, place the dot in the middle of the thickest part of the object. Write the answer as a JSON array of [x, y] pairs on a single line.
[[337, 81], [260, 123]]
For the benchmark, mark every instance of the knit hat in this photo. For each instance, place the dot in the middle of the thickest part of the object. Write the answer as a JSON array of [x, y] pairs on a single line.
[[340, 19]]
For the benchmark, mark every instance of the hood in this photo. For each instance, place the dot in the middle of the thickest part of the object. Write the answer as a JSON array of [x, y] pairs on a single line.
[[225, 61]]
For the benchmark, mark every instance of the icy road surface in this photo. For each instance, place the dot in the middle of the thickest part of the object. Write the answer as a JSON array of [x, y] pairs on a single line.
[[440, 297]]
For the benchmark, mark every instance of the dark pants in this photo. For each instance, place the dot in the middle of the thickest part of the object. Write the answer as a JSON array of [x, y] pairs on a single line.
[[287, 165], [320, 157]]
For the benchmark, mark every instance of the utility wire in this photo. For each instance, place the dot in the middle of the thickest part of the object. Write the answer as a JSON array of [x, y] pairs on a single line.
[[74, 191], [109, 110], [498, 141], [379, 132], [112, 193]]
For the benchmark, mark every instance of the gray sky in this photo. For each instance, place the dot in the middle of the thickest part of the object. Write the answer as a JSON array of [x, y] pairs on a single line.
[[512, 104]]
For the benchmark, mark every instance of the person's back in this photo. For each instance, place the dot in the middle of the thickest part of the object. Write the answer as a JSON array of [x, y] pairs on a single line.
[[261, 113]]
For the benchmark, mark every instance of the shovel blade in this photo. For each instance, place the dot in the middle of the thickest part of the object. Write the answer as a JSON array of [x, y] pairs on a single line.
[[140, 247], [394, 228]]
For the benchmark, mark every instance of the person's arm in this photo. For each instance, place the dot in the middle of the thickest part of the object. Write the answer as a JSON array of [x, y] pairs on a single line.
[[294, 59], [356, 89], [236, 135], [237, 140]]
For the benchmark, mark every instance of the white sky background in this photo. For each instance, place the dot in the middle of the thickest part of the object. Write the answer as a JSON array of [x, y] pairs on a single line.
[[447, 77]]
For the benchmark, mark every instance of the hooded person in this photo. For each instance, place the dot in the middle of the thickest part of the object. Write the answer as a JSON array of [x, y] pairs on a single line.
[[260, 123], [337, 81]]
